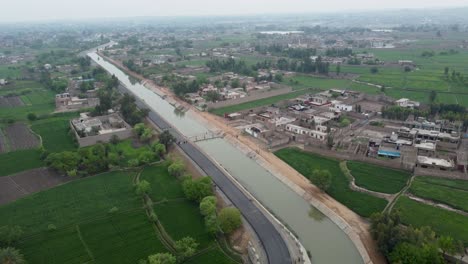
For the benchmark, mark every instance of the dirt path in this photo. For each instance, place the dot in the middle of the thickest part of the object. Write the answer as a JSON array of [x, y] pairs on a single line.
[[359, 225], [435, 204]]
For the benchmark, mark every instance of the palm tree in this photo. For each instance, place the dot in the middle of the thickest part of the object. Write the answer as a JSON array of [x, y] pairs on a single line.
[[11, 255]]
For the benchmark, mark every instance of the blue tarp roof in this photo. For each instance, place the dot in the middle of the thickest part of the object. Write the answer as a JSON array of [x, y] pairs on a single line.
[[389, 153]]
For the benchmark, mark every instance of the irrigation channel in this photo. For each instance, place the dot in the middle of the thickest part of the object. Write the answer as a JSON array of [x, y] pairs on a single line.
[[325, 241]]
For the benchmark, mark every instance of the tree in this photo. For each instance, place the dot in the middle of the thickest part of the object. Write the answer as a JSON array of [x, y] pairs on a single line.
[[330, 141], [338, 69], [176, 168], [146, 135], [447, 245], [11, 255], [10, 235], [212, 223], [166, 138], [374, 70], [187, 246], [382, 88], [235, 83], [162, 258], [145, 157], [158, 148], [322, 179], [229, 219], [208, 205], [406, 253], [142, 187], [446, 71], [32, 116], [139, 129], [198, 189], [63, 161], [432, 96]]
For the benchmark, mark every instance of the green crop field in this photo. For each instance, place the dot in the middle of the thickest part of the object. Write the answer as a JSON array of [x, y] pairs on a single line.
[[450, 192], [258, 103], [443, 222], [71, 203], [306, 81], [21, 160], [182, 218], [86, 232], [55, 134], [377, 178], [163, 185], [305, 163], [10, 72]]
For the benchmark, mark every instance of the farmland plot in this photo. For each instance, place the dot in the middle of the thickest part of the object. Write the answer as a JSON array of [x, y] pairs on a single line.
[[11, 101], [20, 137]]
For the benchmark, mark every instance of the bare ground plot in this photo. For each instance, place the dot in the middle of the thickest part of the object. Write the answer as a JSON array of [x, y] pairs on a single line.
[[24, 183], [10, 101], [3, 146], [20, 137]]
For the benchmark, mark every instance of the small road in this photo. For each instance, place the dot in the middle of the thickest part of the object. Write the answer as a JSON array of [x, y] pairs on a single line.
[[274, 245]]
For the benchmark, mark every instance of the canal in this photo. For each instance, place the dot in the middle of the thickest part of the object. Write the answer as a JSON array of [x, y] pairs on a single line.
[[325, 241]]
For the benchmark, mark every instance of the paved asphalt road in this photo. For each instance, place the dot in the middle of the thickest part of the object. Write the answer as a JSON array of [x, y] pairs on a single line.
[[274, 245]]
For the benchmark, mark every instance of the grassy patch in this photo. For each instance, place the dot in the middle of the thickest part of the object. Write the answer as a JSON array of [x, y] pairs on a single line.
[[182, 218], [305, 163], [305, 81], [377, 178], [55, 134], [21, 160], [163, 185], [442, 190], [442, 221]]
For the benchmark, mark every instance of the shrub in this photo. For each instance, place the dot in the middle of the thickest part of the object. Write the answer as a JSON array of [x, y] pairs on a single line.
[[32, 117], [229, 219], [51, 227], [113, 210]]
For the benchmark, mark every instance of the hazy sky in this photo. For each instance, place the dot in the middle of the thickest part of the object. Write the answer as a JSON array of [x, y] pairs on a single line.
[[29, 10]]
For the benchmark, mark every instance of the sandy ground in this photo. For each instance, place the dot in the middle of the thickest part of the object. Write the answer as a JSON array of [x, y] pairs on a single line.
[[359, 225]]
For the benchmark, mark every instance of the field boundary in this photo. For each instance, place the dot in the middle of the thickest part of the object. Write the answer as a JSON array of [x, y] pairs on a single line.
[[78, 231]]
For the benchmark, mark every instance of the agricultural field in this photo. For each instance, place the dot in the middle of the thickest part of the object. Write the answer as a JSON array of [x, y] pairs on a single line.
[[442, 221], [55, 134], [377, 178], [20, 98], [361, 203], [301, 81], [427, 77], [21, 160], [79, 213], [258, 103], [450, 192], [10, 101], [18, 137]]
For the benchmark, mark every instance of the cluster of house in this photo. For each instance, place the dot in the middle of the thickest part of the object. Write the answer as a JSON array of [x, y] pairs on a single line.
[[75, 99], [437, 145], [246, 84]]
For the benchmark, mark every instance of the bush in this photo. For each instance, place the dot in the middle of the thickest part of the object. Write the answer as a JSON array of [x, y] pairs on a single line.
[[51, 227], [32, 117], [153, 217], [113, 210], [176, 168], [198, 189], [142, 187]]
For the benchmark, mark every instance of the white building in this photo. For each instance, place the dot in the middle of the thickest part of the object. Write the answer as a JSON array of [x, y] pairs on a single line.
[[405, 102], [305, 131]]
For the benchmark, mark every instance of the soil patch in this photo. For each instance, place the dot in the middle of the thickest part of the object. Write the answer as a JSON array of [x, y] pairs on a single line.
[[20, 137], [27, 182], [11, 101]]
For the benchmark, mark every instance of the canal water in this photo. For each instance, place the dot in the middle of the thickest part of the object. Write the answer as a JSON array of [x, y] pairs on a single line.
[[325, 241]]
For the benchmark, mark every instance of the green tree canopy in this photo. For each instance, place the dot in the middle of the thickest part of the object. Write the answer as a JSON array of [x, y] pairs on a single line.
[[142, 187], [186, 247], [162, 258], [198, 189], [229, 219], [208, 205], [322, 179]]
